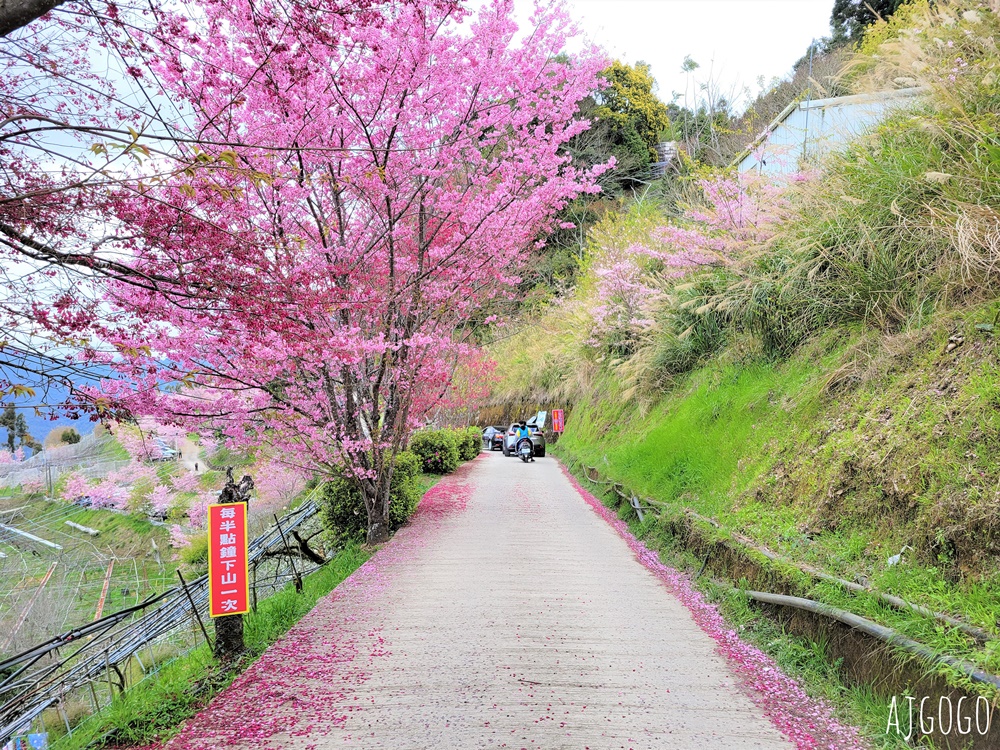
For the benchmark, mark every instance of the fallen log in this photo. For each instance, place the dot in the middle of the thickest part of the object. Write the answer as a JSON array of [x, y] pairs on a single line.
[[896, 602], [881, 632], [32, 537], [305, 550]]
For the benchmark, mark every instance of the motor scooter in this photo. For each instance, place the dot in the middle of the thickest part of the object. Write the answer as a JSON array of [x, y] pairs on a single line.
[[525, 450]]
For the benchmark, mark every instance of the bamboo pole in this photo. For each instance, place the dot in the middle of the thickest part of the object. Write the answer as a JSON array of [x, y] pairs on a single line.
[[194, 609], [27, 609], [104, 591]]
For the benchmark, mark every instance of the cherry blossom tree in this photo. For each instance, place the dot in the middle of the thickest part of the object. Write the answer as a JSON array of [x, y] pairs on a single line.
[[83, 115], [406, 156]]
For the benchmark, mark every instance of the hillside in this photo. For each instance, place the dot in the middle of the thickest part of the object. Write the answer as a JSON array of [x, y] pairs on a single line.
[[839, 456], [811, 365]]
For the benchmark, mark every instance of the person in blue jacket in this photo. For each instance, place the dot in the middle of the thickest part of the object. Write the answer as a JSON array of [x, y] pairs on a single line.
[[522, 432]]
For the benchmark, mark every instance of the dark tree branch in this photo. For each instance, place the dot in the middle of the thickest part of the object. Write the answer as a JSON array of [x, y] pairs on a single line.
[[17, 13]]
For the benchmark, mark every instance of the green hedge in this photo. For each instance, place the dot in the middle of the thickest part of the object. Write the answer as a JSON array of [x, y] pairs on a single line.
[[438, 450], [430, 451], [441, 451], [470, 442], [344, 509]]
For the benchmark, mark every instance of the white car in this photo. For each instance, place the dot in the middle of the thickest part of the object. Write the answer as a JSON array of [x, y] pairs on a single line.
[[536, 427], [164, 451]]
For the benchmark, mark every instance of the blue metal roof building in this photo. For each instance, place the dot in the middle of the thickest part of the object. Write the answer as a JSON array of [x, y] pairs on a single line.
[[806, 130]]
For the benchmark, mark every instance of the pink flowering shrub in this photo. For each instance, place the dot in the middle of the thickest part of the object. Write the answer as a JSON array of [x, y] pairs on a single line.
[[178, 538], [32, 486], [186, 482], [139, 444], [7, 458], [109, 494], [160, 499], [276, 484], [129, 487], [76, 486], [198, 510], [625, 296], [737, 215], [630, 282]]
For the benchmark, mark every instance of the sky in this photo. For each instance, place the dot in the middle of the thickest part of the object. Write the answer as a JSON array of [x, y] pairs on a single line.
[[734, 41]]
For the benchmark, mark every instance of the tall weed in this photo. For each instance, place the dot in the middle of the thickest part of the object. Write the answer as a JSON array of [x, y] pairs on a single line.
[[902, 224]]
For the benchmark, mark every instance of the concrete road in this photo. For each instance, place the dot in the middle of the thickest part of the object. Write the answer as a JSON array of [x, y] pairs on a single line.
[[507, 614]]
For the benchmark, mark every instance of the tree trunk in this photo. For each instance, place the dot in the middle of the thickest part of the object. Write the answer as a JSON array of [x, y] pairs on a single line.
[[229, 644], [17, 13], [378, 532], [378, 515], [377, 502], [378, 519]]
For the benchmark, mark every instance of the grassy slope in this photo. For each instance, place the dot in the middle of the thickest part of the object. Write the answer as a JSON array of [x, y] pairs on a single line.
[[78, 580], [155, 709], [839, 456]]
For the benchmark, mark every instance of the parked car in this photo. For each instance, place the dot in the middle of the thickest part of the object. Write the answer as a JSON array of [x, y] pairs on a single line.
[[493, 438], [536, 427], [163, 450]]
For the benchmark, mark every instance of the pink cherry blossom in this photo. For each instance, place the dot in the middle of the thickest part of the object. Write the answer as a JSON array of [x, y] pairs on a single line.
[[380, 172]]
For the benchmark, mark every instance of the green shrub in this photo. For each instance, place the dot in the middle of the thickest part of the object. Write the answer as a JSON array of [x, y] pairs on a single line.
[[343, 508], [470, 440], [196, 553], [405, 490], [437, 449], [691, 330]]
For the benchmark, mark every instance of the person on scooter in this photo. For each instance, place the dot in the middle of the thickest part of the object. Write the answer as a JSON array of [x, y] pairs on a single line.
[[522, 432]]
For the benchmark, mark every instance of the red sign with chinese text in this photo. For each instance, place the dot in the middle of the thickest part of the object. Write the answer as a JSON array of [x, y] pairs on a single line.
[[228, 566], [558, 422]]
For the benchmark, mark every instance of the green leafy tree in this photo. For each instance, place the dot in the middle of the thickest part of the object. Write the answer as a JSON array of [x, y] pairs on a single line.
[[630, 105], [850, 18], [626, 122], [24, 437], [8, 419], [17, 430]]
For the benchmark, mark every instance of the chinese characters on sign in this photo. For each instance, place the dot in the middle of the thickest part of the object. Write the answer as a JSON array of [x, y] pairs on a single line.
[[228, 574], [557, 420]]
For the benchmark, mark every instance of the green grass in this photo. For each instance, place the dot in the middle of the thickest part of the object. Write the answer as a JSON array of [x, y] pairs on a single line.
[[426, 481], [226, 457], [77, 581], [701, 445], [836, 456], [154, 709]]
